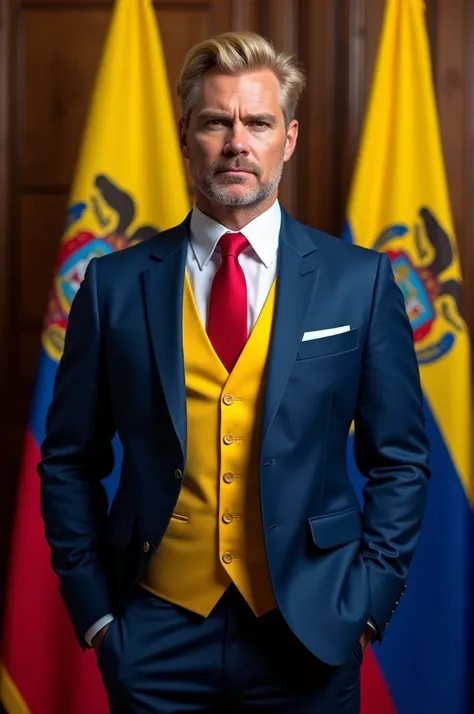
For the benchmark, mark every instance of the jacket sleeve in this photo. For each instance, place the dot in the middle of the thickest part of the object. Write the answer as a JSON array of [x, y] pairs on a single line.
[[76, 455], [391, 447]]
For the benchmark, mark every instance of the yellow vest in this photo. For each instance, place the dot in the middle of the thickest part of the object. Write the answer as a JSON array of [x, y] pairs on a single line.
[[215, 535]]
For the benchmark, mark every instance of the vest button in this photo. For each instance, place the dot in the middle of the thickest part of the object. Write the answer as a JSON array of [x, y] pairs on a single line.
[[146, 546], [227, 558], [228, 439], [227, 517], [228, 477], [228, 399], [178, 474]]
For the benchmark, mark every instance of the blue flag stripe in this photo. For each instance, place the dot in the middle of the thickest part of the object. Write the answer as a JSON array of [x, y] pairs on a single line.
[[425, 655]]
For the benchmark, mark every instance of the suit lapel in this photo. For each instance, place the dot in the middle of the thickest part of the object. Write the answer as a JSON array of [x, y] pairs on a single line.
[[163, 284], [297, 279]]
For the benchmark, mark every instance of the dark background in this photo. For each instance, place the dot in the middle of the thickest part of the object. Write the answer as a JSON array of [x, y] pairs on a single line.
[[49, 53]]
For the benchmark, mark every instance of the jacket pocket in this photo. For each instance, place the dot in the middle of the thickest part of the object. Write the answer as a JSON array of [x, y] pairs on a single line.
[[325, 346], [333, 529]]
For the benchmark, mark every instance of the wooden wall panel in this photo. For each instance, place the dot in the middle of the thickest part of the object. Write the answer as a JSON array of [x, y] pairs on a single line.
[[60, 53], [180, 31], [279, 21], [468, 234], [6, 195], [373, 12], [453, 87], [317, 146], [246, 15], [41, 221]]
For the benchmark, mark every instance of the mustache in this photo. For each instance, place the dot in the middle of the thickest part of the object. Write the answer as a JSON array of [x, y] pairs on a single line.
[[238, 165]]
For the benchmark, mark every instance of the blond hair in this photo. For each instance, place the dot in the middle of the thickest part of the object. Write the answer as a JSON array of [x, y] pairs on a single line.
[[235, 52]]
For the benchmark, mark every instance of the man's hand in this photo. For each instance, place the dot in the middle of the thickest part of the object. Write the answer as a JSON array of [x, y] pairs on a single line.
[[97, 639], [366, 638]]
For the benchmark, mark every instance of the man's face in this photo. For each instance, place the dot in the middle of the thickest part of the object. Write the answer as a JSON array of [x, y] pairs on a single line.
[[236, 140]]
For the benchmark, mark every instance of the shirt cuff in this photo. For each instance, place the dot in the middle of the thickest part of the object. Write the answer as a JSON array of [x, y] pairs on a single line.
[[371, 624], [96, 627]]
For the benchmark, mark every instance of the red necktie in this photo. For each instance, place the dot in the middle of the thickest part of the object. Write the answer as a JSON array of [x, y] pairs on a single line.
[[228, 311]]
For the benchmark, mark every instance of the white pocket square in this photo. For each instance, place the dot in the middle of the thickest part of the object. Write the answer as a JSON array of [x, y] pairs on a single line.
[[317, 334]]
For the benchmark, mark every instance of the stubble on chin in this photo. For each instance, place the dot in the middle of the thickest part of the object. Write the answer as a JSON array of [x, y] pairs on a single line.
[[217, 187]]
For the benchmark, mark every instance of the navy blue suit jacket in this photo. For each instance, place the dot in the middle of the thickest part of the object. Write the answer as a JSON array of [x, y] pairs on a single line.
[[332, 565]]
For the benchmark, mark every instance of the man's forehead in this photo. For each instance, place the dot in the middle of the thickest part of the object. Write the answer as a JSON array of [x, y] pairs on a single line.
[[256, 87]]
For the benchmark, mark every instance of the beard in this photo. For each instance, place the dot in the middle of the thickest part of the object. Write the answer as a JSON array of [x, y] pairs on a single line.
[[217, 187]]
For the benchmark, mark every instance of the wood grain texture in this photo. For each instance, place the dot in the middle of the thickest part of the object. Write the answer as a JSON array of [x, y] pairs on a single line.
[[245, 15], [453, 86], [9, 432], [468, 226], [279, 22], [6, 192], [317, 143], [41, 222], [61, 53]]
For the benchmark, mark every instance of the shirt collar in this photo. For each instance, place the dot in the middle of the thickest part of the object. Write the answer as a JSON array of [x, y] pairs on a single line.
[[262, 233]]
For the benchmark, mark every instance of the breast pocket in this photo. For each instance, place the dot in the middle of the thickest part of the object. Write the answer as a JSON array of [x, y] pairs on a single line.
[[326, 346]]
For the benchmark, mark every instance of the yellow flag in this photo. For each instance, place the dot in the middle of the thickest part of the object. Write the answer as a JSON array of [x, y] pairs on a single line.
[[399, 204], [129, 185], [129, 182]]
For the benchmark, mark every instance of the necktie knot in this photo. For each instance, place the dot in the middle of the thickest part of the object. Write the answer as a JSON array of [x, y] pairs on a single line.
[[233, 244]]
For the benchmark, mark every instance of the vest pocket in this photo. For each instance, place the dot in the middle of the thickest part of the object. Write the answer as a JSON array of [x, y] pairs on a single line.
[[179, 517]]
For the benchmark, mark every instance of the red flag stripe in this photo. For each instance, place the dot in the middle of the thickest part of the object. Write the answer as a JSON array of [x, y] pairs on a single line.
[[376, 698], [40, 652]]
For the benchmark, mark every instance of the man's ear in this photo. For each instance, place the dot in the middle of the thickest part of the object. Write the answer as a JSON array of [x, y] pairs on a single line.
[[183, 138], [291, 139]]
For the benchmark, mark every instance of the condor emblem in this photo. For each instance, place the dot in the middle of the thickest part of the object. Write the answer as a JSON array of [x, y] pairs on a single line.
[[114, 211], [421, 259]]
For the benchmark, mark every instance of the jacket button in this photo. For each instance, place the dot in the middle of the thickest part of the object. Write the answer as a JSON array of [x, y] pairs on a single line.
[[178, 474], [227, 517], [228, 399], [228, 439], [227, 558], [228, 477], [146, 546]]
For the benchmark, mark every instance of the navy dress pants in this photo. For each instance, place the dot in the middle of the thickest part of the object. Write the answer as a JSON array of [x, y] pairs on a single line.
[[158, 658]]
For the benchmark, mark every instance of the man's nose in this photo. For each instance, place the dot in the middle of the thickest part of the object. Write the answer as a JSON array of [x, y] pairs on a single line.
[[236, 140]]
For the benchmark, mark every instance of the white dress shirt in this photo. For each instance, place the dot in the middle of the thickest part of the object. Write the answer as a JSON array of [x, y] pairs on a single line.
[[258, 261]]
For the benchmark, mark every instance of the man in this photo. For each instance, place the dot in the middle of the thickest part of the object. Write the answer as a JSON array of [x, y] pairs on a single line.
[[235, 570]]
